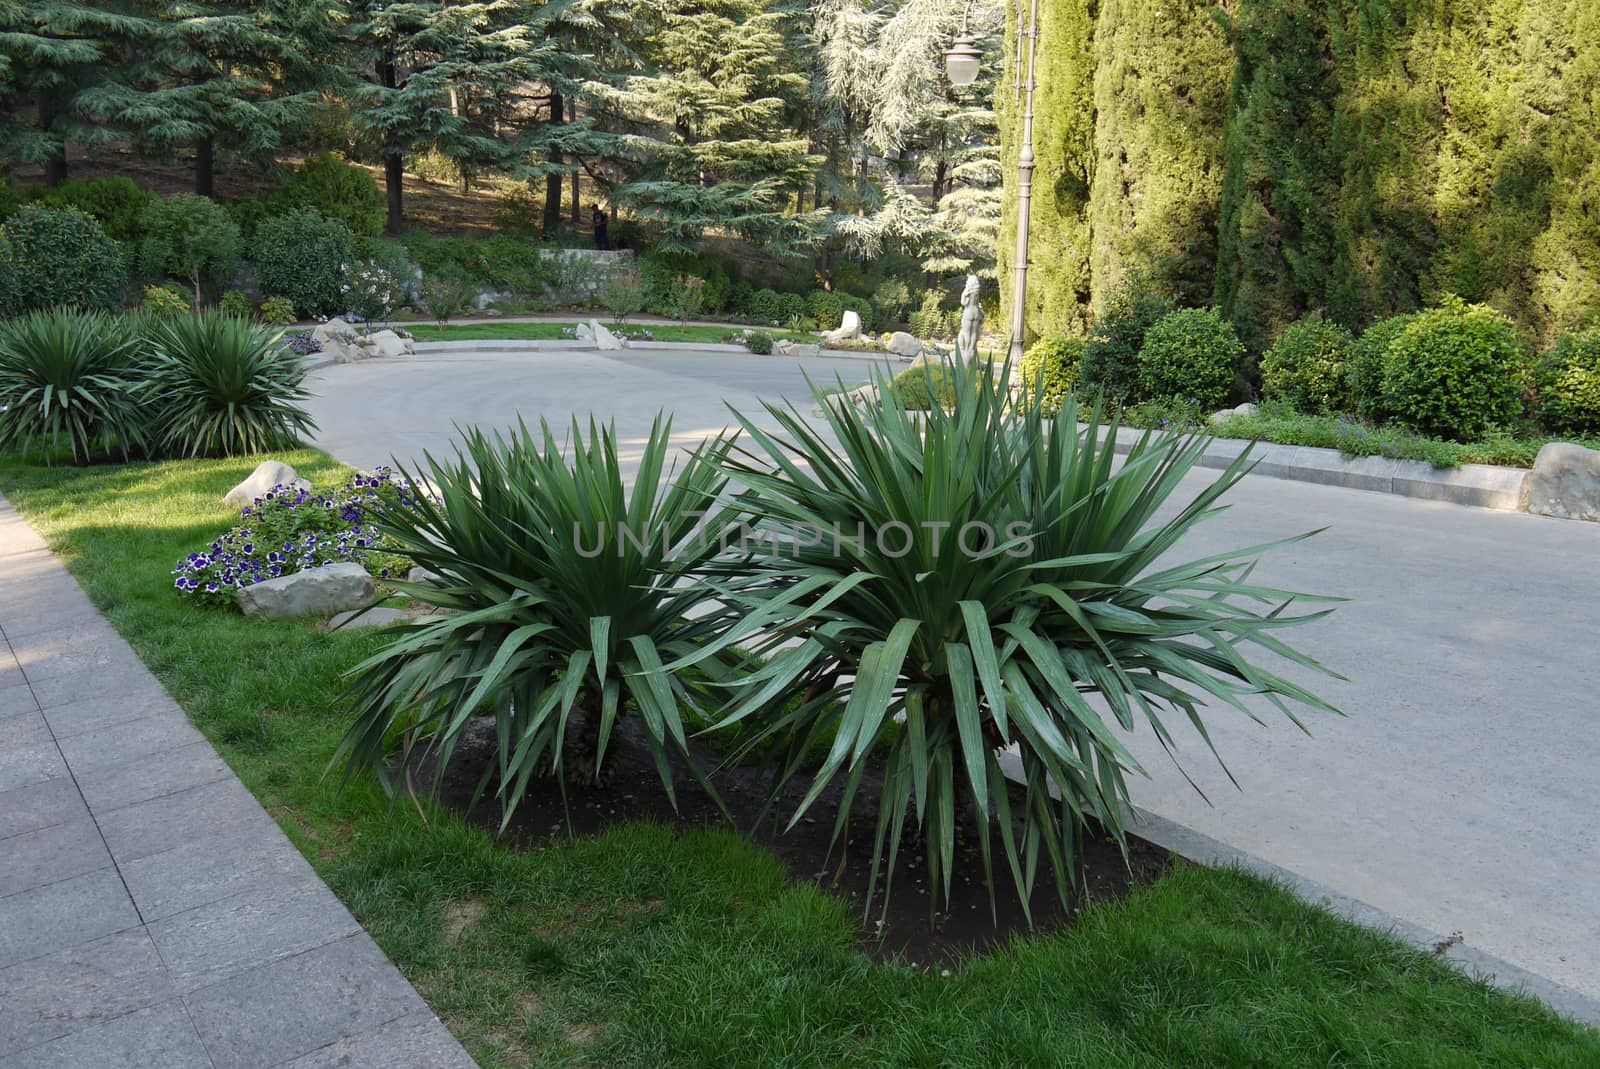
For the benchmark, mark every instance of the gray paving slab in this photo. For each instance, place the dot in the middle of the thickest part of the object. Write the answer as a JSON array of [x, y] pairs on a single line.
[[52, 854], [40, 805], [158, 1037], [298, 1005], [58, 994], [143, 890], [152, 777], [275, 919], [59, 916]]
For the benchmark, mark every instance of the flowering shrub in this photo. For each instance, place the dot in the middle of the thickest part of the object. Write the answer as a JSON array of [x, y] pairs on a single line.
[[288, 530], [370, 291]]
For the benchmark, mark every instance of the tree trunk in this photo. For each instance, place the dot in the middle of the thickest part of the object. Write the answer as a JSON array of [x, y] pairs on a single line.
[[551, 221], [205, 167], [577, 210], [55, 168], [394, 175]]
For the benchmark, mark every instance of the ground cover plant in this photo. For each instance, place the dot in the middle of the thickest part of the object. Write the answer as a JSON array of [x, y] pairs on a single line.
[[288, 530], [619, 951]]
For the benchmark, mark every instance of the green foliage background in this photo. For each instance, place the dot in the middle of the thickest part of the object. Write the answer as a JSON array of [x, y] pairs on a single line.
[[1357, 158]]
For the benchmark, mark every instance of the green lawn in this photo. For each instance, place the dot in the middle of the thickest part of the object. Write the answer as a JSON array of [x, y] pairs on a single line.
[[652, 948], [551, 331]]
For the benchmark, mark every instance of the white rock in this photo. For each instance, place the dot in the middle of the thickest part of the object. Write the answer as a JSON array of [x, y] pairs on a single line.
[[1564, 482], [849, 328], [313, 592], [604, 339], [388, 343], [419, 574], [382, 616], [1247, 409], [796, 348], [902, 344], [584, 333], [268, 473]]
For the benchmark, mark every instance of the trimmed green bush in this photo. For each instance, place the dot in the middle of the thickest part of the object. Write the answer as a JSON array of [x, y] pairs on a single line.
[[1308, 366], [300, 257], [1050, 368], [164, 301], [765, 306], [918, 389], [70, 375], [58, 257], [278, 311], [192, 238], [1365, 368], [825, 307], [1453, 372], [758, 342], [336, 189], [234, 303], [115, 203], [791, 306], [1191, 353], [1111, 353], [1568, 381], [226, 387]]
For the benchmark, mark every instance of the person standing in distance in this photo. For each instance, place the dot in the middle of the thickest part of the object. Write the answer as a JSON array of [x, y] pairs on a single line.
[[602, 236]]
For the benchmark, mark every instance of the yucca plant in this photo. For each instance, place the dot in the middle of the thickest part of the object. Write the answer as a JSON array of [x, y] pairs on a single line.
[[225, 386], [982, 579], [74, 376], [567, 595]]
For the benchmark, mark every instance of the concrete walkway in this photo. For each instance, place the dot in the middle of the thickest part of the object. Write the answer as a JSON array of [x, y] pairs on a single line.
[[151, 913], [1460, 793]]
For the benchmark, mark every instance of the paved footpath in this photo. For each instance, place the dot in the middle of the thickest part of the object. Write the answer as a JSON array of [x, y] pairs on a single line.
[[151, 913]]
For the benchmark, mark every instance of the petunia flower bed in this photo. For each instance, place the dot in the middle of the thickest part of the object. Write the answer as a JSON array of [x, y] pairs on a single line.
[[288, 530]]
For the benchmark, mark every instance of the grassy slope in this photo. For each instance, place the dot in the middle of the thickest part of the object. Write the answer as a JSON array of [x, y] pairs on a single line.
[[652, 948]]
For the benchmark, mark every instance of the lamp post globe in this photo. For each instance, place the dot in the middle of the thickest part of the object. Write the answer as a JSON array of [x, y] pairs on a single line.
[[963, 61]]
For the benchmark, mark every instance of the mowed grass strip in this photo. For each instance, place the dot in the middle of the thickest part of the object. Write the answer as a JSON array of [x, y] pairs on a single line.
[[651, 947]]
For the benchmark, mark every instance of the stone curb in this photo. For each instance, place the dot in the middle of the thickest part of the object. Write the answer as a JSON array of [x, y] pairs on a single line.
[[533, 345], [1478, 485], [1204, 850]]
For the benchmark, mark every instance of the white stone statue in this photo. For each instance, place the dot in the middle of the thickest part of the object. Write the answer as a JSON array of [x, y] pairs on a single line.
[[971, 321]]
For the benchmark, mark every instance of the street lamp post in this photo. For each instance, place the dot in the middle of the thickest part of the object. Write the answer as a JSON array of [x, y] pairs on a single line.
[[962, 62]]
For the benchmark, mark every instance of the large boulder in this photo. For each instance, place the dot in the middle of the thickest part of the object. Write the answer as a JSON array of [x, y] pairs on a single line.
[[848, 330], [902, 344], [268, 473], [388, 343], [1564, 482], [341, 344], [314, 592]]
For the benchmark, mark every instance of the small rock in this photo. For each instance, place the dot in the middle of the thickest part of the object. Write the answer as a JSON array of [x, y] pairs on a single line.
[[382, 616], [1564, 483], [795, 348], [902, 344], [314, 592], [268, 473], [1221, 415], [419, 574], [848, 330]]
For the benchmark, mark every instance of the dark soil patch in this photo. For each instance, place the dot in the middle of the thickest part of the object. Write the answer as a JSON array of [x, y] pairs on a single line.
[[909, 932]]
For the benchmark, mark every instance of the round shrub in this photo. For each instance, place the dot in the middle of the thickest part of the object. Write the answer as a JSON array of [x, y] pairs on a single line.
[[1111, 353], [1051, 367], [918, 389], [1452, 372], [278, 311], [234, 303], [115, 203], [1364, 371], [791, 306], [300, 257], [1193, 353], [758, 342], [164, 301], [58, 257], [1307, 367], [192, 238], [825, 307], [765, 306], [1568, 380], [73, 376], [338, 190]]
